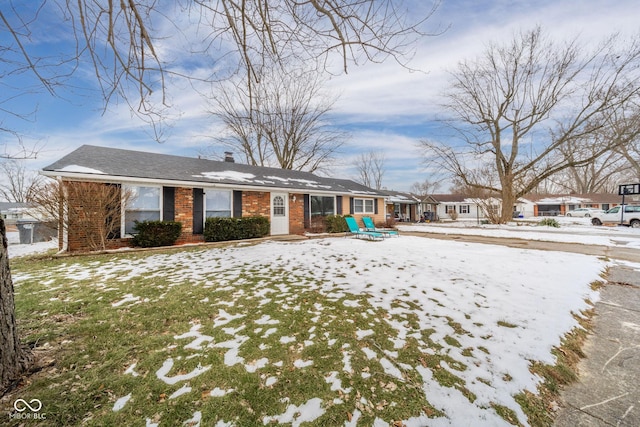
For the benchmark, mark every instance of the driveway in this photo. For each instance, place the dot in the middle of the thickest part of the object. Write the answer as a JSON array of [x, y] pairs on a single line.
[[612, 252]]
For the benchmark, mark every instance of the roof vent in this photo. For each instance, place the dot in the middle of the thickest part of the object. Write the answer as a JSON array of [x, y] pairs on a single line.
[[228, 157]]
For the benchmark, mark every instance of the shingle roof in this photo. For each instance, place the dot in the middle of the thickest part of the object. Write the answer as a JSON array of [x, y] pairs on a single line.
[[451, 198], [399, 197], [108, 163], [573, 198]]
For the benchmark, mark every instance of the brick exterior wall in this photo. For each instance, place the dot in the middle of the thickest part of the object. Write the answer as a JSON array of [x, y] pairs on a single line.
[[184, 214], [296, 214], [256, 203], [77, 232]]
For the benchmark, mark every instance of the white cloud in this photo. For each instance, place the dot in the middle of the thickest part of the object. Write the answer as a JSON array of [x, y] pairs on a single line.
[[385, 106]]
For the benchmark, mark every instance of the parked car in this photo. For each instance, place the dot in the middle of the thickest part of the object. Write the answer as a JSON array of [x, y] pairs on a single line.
[[631, 216], [584, 212]]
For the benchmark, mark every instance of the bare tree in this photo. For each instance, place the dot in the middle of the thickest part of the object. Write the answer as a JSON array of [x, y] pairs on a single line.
[[18, 183], [240, 35], [601, 175], [283, 123], [424, 188], [517, 105], [370, 166]]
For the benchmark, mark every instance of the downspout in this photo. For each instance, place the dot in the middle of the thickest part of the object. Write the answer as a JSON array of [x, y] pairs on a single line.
[[63, 217]]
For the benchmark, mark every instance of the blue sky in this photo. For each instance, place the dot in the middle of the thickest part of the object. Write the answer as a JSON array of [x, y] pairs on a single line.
[[383, 106]]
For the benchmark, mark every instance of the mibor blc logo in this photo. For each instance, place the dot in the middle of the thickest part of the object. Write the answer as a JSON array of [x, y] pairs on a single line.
[[27, 410]]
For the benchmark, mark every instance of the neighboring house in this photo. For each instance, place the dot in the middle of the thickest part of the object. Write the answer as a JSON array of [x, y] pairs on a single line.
[[560, 204], [189, 190], [11, 212], [401, 206], [457, 206]]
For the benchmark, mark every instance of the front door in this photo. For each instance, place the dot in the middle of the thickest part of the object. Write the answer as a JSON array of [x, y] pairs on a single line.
[[279, 213]]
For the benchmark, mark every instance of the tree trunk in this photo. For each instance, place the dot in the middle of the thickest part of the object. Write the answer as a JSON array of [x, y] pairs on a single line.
[[14, 359], [508, 200]]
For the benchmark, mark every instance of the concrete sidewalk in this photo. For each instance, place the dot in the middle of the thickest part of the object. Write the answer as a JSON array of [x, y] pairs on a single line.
[[608, 390]]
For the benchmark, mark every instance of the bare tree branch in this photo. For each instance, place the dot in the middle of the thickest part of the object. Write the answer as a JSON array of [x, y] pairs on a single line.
[[521, 104], [18, 183], [282, 124], [371, 168]]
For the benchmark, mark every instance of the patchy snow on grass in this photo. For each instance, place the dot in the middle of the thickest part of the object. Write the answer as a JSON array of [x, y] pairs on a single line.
[[125, 299], [131, 370], [168, 365], [121, 402], [491, 310], [179, 392], [296, 415]]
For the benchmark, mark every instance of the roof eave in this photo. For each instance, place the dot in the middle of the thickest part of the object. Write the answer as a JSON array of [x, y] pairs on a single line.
[[79, 176]]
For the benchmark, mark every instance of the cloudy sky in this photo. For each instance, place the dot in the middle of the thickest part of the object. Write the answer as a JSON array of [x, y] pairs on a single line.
[[383, 106]]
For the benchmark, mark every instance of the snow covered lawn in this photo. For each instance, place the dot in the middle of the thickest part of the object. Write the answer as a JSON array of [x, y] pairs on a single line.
[[327, 331], [571, 230]]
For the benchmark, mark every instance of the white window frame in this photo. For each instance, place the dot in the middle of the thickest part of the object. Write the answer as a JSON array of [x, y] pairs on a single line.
[[127, 207], [363, 209], [465, 209]]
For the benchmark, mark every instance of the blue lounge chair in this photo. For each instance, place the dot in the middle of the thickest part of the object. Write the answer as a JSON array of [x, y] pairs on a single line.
[[355, 230], [370, 226]]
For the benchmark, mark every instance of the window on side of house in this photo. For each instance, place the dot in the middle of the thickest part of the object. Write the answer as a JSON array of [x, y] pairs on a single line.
[[217, 203], [449, 209], [322, 206], [363, 206], [144, 205], [464, 209]]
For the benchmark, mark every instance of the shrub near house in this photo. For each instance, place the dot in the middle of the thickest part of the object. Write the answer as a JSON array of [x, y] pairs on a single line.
[[222, 229], [151, 234]]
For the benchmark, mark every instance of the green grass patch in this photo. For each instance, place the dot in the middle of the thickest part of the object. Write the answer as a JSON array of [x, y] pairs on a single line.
[[506, 324], [261, 337]]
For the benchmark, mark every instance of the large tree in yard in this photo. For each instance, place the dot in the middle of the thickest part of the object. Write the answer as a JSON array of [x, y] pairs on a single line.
[[14, 358], [531, 108], [126, 48]]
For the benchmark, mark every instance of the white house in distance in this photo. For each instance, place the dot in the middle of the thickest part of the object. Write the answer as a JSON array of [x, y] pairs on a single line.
[[457, 206]]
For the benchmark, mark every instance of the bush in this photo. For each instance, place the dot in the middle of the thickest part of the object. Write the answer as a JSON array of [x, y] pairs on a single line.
[[223, 229], [549, 222], [150, 234], [318, 224], [335, 224]]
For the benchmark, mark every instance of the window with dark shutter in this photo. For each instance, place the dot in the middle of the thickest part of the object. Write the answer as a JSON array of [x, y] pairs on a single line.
[[198, 211], [168, 203]]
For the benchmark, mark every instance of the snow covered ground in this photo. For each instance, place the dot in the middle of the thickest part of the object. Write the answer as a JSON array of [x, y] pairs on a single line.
[[17, 250], [505, 307], [439, 283], [571, 230]]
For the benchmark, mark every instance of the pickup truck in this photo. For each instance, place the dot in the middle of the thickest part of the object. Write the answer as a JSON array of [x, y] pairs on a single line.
[[631, 216]]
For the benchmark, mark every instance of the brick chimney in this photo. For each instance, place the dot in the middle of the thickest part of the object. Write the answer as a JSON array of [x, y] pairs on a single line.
[[228, 157]]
